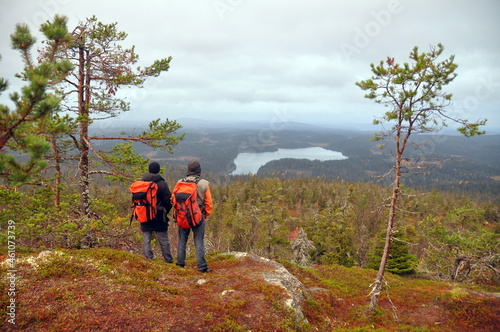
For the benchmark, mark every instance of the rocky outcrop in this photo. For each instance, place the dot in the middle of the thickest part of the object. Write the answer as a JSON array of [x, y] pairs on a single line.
[[281, 277]]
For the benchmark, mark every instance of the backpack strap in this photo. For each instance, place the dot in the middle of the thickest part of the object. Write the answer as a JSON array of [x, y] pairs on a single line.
[[131, 218], [159, 203]]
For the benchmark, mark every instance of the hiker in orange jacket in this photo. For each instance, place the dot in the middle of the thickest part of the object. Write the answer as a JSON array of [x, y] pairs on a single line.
[[205, 201]]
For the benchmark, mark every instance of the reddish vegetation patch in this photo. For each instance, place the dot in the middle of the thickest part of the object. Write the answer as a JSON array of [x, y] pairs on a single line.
[[338, 299], [111, 290], [128, 293]]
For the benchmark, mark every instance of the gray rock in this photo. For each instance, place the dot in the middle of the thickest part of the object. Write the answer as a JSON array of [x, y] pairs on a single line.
[[283, 278]]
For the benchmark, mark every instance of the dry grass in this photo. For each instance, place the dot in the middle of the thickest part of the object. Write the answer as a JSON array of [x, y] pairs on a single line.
[[111, 290]]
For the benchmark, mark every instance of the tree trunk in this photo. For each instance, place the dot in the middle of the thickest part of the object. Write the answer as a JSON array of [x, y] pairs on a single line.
[[83, 166], [57, 158], [377, 284], [84, 172], [462, 263]]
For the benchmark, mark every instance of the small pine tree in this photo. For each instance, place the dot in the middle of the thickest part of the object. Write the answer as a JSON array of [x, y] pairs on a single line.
[[400, 260], [333, 238]]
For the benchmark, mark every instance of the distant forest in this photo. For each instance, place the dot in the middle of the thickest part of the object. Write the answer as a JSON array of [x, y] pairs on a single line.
[[448, 163]]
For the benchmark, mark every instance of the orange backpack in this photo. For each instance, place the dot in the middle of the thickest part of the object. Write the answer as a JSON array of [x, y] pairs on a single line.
[[187, 212], [144, 200]]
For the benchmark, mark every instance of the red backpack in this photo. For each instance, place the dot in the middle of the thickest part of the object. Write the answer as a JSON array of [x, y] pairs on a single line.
[[144, 200], [187, 212]]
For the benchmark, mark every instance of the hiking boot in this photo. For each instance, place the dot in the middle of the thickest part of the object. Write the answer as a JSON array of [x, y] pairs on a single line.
[[207, 270]]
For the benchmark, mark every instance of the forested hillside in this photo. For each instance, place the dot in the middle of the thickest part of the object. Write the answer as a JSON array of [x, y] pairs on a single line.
[[335, 222]]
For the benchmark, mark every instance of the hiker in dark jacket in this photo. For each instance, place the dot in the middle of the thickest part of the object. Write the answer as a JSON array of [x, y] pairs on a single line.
[[159, 225]]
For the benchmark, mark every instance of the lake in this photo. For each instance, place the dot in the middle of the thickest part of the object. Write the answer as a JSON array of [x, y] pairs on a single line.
[[249, 163]]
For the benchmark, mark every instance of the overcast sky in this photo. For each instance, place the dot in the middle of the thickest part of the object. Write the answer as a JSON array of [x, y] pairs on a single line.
[[290, 60]]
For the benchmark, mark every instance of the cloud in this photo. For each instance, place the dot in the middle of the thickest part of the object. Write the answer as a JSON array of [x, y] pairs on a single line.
[[252, 57]]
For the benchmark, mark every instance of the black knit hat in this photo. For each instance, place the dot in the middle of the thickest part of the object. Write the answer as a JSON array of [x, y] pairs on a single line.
[[194, 168], [154, 167]]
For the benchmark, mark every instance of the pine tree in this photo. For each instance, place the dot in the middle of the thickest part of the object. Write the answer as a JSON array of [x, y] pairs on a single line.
[[400, 260], [103, 67], [417, 104], [20, 128]]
